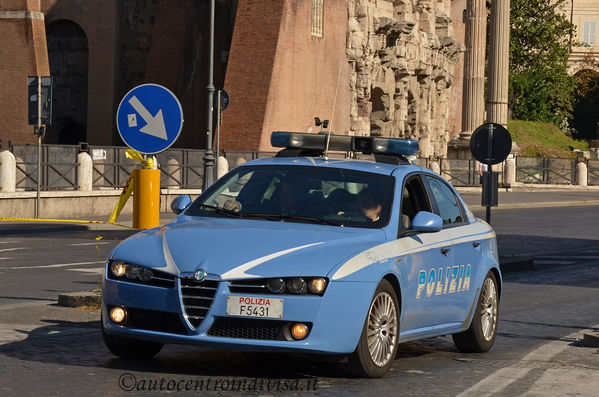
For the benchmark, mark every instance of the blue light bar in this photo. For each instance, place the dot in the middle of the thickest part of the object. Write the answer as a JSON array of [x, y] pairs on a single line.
[[367, 145]]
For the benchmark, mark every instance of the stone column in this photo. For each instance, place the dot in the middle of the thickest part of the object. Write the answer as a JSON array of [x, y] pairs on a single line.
[[474, 67], [499, 52]]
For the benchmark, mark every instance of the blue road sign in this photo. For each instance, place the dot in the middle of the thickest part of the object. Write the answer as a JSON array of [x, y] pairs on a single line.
[[149, 118]]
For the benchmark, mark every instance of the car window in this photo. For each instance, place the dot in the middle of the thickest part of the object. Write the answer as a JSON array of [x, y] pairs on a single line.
[[448, 205], [300, 193], [413, 200]]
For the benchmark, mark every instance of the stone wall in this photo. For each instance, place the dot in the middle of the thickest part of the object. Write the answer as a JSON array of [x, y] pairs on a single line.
[[402, 56]]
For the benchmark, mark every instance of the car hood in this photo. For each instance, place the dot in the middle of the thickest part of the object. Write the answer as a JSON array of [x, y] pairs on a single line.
[[242, 248]]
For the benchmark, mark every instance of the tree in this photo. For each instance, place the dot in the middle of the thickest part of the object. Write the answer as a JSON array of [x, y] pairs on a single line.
[[539, 84]]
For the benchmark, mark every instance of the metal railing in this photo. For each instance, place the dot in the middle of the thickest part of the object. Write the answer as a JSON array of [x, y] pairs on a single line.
[[59, 167], [545, 170], [593, 172], [184, 168]]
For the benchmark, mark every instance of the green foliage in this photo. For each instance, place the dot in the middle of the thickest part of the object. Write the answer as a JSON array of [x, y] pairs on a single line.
[[539, 138], [539, 84]]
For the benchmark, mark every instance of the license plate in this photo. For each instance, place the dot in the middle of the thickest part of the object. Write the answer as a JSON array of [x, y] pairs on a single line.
[[254, 307]]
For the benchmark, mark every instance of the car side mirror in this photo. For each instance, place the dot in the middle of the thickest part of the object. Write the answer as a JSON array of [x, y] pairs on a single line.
[[425, 222], [180, 204]]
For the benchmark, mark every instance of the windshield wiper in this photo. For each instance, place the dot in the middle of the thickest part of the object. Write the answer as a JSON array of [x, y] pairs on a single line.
[[299, 218], [220, 210]]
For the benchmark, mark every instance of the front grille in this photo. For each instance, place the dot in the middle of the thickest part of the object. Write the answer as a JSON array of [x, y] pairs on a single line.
[[154, 320], [197, 298], [250, 286], [248, 328]]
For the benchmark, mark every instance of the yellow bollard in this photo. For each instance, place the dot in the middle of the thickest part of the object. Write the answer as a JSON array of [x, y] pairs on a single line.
[[146, 198]]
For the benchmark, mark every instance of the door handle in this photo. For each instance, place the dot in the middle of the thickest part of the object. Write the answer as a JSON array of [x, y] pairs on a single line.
[[444, 251], [476, 244]]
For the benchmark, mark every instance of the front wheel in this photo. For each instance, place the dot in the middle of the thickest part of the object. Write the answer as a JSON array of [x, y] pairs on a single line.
[[377, 346], [130, 348], [483, 330]]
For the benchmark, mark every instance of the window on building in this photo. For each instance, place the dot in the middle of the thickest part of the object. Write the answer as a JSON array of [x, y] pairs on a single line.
[[317, 17], [589, 29]]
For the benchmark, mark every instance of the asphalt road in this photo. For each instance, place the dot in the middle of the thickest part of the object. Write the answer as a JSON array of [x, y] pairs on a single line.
[[50, 350]]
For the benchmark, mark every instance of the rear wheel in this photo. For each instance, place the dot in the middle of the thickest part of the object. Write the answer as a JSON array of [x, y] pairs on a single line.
[[483, 329], [130, 348], [377, 346]]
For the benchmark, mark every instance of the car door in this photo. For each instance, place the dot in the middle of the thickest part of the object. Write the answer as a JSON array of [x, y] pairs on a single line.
[[423, 259], [464, 249]]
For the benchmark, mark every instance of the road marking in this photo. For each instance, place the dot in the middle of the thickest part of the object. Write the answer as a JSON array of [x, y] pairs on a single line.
[[8, 242], [57, 265], [502, 378], [4, 259], [12, 249], [90, 272], [96, 243]]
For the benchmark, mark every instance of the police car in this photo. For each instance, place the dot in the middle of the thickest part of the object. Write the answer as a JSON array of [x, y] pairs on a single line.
[[305, 253]]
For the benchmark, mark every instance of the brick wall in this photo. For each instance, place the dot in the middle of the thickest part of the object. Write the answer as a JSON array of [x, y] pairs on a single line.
[[24, 45]]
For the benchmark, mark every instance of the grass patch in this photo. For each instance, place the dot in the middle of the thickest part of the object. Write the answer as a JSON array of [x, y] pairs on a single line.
[[541, 139]]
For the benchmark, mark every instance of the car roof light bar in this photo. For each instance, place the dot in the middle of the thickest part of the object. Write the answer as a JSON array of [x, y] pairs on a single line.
[[344, 143]]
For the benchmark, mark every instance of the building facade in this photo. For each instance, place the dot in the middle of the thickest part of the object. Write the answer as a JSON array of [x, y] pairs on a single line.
[[584, 14], [380, 67]]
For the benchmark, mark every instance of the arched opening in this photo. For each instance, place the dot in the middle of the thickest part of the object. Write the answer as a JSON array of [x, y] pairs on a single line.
[[68, 55], [585, 118], [380, 110]]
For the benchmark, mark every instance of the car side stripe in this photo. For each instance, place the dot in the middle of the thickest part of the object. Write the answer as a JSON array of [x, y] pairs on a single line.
[[240, 271], [419, 243]]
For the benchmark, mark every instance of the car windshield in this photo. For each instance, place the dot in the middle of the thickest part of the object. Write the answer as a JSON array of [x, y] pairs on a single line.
[[292, 193]]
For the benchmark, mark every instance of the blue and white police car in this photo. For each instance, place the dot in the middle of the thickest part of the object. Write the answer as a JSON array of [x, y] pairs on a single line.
[[302, 253]]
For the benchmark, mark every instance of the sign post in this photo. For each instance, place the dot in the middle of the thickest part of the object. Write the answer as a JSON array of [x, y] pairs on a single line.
[[490, 144], [39, 90], [222, 102], [149, 119]]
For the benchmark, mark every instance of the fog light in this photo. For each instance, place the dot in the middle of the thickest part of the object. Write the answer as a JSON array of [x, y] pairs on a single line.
[[145, 274], [276, 285], [317, 285], [297, 285], [118, 269], [299, 331], [132, 271], [118, 314]]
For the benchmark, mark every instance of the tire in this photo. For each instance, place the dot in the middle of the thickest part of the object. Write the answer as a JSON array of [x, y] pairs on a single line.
[[375, 362], [480, 336], [130, 348]]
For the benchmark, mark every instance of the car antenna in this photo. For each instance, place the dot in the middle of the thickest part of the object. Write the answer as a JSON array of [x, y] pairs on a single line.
[[325, 156]]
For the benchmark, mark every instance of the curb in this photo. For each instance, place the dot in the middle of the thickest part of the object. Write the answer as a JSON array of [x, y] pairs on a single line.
[[590, 339], [77, 299], [544, 204]]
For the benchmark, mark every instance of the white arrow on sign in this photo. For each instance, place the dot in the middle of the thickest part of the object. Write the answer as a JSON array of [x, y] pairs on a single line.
[[155, 124]]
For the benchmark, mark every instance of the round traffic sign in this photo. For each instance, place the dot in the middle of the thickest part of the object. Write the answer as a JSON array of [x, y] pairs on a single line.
[[149, 118], [491, 142], [224, 99]]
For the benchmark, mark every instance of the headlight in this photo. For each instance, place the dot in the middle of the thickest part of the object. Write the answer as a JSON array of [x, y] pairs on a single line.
[[132, 271], [297, 285], [317, 285], [145, 274], [118, 268], [276, 285]]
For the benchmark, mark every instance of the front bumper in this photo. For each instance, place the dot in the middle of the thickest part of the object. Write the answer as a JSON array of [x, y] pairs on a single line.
[[336, 318]]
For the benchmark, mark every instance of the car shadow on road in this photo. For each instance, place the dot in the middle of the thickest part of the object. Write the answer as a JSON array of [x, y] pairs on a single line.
[[80, 344]]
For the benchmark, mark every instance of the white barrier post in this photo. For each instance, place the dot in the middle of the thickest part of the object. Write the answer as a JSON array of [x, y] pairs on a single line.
[[8, 172], [85, 172], [222, 166], [510, 172], [581, 174]]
